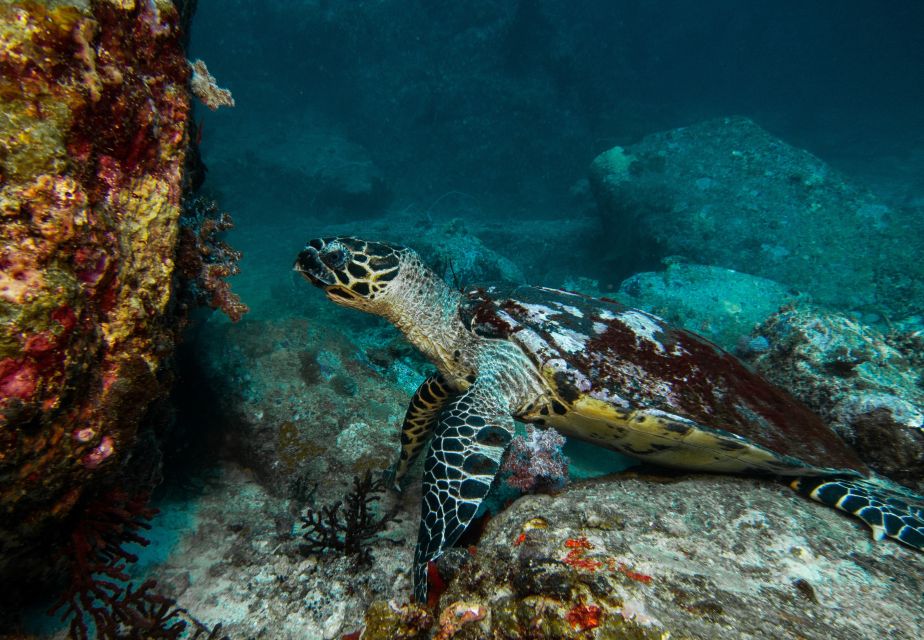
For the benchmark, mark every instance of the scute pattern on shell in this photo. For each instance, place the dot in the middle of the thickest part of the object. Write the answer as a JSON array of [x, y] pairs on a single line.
[[632, 359]]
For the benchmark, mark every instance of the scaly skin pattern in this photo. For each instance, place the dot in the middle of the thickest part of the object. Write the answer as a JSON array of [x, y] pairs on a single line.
[[93, 133], [419, 422]]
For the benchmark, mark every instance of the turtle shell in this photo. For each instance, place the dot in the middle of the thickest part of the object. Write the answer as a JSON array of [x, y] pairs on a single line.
[[624, 371]]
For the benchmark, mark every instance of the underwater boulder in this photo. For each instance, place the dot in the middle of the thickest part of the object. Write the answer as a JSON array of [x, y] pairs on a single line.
[[93, 139], [346, 179], [727, 193], [865, 385], [454, 251], [478, 249], [720, 304], [636, 556]]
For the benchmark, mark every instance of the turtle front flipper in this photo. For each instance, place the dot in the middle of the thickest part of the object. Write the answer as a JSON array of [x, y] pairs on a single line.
[[419, 423], [888, 512], [465, 455]]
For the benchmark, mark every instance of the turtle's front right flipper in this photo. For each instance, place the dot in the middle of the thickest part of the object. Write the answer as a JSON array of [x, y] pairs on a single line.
[[419, 423], [465, 455], [888, 512]]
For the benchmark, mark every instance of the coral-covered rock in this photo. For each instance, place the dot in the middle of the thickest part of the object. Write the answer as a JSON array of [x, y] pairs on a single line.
[[728, 193], [534, 461], [92, 143], [693, 557], [867, 389]]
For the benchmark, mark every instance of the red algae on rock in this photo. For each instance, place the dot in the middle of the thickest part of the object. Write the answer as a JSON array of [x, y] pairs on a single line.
[[92, 145]]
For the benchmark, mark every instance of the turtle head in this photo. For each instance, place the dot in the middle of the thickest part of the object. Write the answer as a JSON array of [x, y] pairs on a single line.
[[352, 272]]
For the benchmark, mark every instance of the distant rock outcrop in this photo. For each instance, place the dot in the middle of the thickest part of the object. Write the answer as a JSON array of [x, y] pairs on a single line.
[[729, 194]]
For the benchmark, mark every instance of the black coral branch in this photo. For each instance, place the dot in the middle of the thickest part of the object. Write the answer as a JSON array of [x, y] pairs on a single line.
[[347, 527]]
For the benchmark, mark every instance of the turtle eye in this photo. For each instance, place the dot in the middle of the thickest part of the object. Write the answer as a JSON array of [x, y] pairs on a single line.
[[336, 256]]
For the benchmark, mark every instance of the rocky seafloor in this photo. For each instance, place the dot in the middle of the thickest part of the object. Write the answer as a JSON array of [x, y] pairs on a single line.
[[624, 556]]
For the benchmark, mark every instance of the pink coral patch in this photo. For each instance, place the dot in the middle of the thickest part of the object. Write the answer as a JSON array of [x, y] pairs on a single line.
[[40, 343], [92, 265], [96, 457], [17, 379]]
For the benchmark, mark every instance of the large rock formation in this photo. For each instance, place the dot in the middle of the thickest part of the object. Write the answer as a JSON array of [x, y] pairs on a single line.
[[93, 134], [699, 557], [729, 194]]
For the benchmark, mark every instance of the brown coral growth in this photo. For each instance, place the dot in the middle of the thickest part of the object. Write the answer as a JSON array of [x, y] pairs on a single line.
[[205, 260], [205, 87]]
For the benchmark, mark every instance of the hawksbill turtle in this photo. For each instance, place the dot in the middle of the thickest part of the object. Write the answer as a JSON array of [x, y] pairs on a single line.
[[593, 369]]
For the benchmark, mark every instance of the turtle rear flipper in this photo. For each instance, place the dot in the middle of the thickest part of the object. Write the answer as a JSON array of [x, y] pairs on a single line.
[[889, 512], [465, 454], [419, 424]]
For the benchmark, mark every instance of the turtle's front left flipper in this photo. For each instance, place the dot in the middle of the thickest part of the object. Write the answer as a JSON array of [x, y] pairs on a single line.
[[465, 455], [889, 512], [419, 423]]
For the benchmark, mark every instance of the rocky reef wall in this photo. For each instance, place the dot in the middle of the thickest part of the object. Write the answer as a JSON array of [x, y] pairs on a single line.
[[93, 137]]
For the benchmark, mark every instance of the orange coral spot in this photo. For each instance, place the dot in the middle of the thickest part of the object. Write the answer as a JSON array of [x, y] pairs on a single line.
[[634, 575], [65, 317], [584, 616], [520, 540], [578, 543], [577, 560], [575, 557], [40, 343]]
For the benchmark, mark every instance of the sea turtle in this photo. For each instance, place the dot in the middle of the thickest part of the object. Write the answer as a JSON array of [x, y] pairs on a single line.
[[593, 369]]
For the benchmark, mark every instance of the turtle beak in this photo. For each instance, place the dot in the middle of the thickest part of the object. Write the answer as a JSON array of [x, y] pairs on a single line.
[[308, 263]]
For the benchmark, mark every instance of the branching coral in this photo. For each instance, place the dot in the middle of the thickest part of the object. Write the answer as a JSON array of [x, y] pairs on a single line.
[[204, 86], [535, 462], [351, 531], [206, 260], [99, 591]]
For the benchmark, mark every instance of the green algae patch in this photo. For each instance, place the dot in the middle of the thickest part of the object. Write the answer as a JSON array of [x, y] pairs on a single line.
[[294, 449]]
